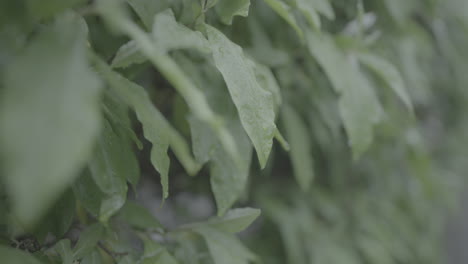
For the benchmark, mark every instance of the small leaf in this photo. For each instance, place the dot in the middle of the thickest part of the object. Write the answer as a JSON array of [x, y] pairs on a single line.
[[110, 205], [388, 73], [228, 9], [224, 247], [138, 217], [49, 120], [15, 256], [235, 220], [154, 253], [285, 12], [88, 240], [128, 54], [254, 104], [358, 104], [298, 137], [147, 9], [170, 35]]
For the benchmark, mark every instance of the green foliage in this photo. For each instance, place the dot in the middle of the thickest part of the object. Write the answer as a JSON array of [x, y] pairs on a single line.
[[105, 103]]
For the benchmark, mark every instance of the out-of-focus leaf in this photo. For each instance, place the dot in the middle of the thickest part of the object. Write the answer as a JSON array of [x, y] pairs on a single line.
[[324, 7], [228, 9], [235, 220], [170, 35], [308, 9], [110, 205], [59, 218], [63, 248], [88, 240], [127, 55], [197, 103], [358, 105], [388, 73], [285, 12], [225, 248], [15, 256], [254, 104], [146, 10], [298, 137], [48, 121], [138, 216], [155, 127], [92, 258], [88, 193], [40, 9], [154, 253]]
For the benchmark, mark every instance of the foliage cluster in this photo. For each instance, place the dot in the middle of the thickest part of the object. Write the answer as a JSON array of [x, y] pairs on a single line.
[[341, 120]]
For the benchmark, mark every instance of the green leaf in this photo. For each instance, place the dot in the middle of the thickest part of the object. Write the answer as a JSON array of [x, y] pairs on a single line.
[[324, 7], [285, 12], [385, 70], [225, 248], [267, 81], [358, 105], [155, 127], [59, 218], [40, 10], [88, 240], [88, 193], [63, 248], [128, 54], [170, 35], [107, 166], [15, 256], [92, 258], [308, 10], [48, 121], [147, 9], [112, 12], [299, 137], [254, 104], [138, 217], [154, 253], [228, 9], [235, 220], [110, 205]]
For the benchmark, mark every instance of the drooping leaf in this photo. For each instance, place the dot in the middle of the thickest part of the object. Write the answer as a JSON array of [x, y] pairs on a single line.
[[228, 9], [170, 35], [235, 220], [49, 120], [358, 105], [112, 12], [146, 10], [254, 104], [155, 127], [298, 137], [228, 178], [88, 240], [15, 256], [267, 81], [138, 217], [225, 248], [285, 12], [88, 193], [388, 73]]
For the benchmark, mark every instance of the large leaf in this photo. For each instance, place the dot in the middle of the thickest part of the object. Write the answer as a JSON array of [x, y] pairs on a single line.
[[49, 119], [225, 248], [15, 256], [227, 9], [388, 73], [254, 104], [155, 127], [358, 105], [298, 137]]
